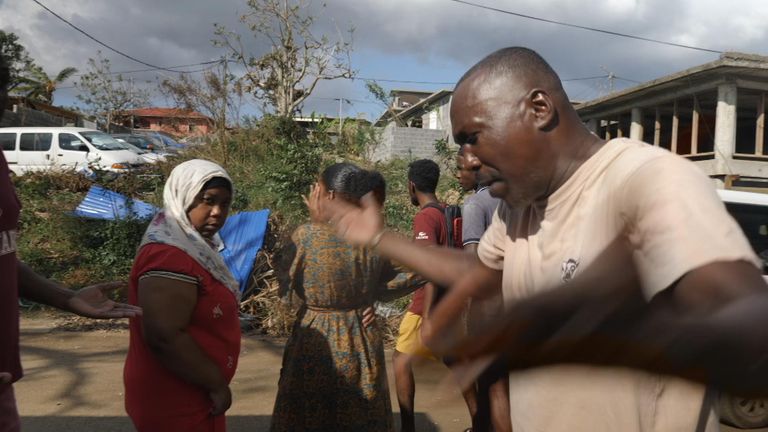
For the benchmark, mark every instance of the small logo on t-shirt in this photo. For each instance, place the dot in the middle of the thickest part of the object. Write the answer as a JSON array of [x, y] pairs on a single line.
[[422, 236], [568, 268], [217, 312]]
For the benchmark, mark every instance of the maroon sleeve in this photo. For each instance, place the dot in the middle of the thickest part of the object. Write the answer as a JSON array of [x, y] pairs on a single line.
[[156, 259], [427, 227]]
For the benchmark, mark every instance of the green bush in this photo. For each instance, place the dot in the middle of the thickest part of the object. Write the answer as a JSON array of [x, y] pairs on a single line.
[[272, 162], [72, 250]]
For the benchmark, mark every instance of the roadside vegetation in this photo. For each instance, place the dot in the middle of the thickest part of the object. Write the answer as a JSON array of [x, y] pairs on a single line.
[[272, 161]]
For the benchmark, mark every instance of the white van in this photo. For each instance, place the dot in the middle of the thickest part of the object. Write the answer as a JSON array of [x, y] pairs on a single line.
[[38, 148]]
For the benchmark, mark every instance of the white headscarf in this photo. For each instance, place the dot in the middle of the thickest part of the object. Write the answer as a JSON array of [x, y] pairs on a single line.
[[171, 226]]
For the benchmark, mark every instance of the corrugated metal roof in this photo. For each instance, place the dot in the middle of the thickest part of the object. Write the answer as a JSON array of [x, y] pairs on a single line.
[[105, 204]]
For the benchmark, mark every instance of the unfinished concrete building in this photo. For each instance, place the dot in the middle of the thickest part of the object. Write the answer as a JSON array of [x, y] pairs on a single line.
[[713, 114]]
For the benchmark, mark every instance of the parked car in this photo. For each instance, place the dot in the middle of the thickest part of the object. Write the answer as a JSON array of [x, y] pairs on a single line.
[[160, 138], [39, 148], [196, 140], [146, 144], [751, 212], [148, 156]]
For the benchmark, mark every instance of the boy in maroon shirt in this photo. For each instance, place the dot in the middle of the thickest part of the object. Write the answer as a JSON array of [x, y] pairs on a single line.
[[429, 229]]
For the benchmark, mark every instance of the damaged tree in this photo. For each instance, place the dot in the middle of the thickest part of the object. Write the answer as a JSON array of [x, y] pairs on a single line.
[[297, 60], [217, 94]]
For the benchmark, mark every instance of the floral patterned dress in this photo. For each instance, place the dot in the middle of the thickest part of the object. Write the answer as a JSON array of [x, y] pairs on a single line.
[[334, 376]]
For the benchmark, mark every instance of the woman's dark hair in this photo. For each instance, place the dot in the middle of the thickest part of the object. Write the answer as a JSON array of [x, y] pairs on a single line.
[[377, 185], [348, 180], [216, 182]]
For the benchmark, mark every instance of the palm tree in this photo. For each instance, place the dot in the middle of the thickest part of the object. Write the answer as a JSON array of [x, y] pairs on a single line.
[[39, 86]]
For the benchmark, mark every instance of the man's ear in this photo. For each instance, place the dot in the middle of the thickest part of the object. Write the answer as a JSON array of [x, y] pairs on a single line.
[[331, 195], [542, 108]]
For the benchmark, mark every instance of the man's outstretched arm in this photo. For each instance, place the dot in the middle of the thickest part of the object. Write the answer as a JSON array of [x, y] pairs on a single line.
[[704, 328], [364, 226]]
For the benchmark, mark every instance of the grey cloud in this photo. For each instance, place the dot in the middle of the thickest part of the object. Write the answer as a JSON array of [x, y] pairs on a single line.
[[440, 35]]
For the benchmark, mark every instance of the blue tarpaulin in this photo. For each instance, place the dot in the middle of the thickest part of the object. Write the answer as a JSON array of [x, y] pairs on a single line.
[[243, 233], [243, 236], [103, 203]]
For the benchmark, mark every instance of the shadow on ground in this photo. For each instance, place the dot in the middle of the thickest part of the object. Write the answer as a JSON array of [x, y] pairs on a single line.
[[235, 423]]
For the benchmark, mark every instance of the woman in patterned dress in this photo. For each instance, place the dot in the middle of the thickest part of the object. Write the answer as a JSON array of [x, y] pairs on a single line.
[[333, 376]]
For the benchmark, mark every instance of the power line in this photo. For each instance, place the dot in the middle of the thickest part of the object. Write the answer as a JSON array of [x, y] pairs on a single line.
[[165, 68], [454, 82], [100, 42], [401, 81], [626, 79], [609, 32], [349, 100]]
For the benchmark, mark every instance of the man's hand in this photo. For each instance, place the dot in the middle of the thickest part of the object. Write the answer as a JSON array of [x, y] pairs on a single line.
[[222, 400], [312, 202], [369, 316], [93, 302], [357, 225]]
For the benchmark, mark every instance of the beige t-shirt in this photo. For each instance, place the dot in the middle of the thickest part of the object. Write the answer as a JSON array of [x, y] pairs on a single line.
[[675, 222]]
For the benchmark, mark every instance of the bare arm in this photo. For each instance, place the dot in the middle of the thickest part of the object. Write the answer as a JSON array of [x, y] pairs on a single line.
[[90, 301], [703, 328], [168, 306], [397, 283], [478, 282], [361, 225]]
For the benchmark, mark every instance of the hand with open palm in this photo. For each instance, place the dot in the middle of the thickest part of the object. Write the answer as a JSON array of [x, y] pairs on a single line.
[[93, 302]]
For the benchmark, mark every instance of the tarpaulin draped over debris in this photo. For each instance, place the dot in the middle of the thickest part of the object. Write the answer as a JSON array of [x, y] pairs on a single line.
[[243, 233], [105, 204], [243, 236]]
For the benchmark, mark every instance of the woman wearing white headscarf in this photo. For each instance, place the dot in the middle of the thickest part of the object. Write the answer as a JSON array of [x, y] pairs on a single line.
[[183, 351]]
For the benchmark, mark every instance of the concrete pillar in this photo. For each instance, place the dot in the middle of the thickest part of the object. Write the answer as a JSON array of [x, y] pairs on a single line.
[[725, 126], [636, 127], [592, 125]]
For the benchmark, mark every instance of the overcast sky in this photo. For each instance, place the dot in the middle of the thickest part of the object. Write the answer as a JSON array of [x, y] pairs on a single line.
[[408, 40]]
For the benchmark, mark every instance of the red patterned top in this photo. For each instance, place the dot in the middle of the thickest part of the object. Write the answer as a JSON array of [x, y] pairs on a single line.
[[155, 398]]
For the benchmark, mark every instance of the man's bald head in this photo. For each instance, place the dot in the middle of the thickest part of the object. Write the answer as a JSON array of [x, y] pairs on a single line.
[[521, 65]]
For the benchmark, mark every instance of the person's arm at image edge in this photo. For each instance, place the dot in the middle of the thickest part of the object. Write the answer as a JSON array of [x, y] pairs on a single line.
[[90, 301], [168, 306]]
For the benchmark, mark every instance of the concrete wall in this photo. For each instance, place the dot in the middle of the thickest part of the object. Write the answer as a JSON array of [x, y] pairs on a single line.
[[407, 142], [28, 117]]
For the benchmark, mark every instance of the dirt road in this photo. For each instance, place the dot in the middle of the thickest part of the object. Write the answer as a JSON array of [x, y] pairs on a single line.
[[74, 383]]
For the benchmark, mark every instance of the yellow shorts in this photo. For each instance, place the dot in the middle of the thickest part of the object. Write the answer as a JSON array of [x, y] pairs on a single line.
[[409, 337]]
